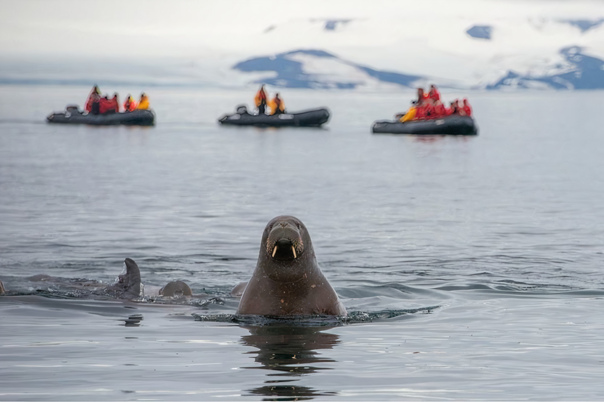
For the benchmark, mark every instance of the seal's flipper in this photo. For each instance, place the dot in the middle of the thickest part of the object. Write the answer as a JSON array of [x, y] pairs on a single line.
[[128, 284]]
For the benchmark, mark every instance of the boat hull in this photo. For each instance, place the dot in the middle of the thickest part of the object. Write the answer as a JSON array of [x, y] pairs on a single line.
[[134, 118], [452, 125], [308, 118]]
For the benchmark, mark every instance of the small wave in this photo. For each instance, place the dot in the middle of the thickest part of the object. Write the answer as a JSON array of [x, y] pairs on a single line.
[[354, 317]]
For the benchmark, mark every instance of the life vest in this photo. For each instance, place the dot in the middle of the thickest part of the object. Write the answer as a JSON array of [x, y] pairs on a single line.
[[434, 95]]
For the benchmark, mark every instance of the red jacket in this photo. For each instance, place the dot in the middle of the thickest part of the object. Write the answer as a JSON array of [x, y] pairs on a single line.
[[467, 109], [434, 94], [439, 110], [105, 106]]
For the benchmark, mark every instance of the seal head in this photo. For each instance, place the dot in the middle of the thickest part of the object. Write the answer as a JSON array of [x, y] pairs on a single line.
[[287, 280]]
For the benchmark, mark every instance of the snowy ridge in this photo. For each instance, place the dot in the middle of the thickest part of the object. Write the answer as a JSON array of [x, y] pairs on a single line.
[[466, 44]]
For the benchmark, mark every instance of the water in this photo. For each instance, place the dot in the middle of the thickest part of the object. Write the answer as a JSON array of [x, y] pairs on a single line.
[[486, 252]]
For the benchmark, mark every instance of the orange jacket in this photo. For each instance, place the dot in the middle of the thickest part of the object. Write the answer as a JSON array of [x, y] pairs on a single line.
[[129, 105], [277, 104], [260, 97]]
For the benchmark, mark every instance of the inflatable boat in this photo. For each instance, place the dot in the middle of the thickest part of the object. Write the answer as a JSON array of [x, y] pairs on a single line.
[[451, 125], [307, 118], [74, 116]]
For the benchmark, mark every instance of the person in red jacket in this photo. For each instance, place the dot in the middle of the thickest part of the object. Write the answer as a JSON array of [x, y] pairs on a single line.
[[433, 93], [106, 106], [466, 107], [422, 97], [439, 110], [116, 103], [94, 96]]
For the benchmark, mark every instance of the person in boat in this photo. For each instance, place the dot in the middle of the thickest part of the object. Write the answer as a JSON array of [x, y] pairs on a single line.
[[433, 94], [143, 103], [260, 99], [129, 104], [277, 106], [466, 107], [422, 97], [95, 96], [452, 109], [115, 102], [439, 110], [106, 105]]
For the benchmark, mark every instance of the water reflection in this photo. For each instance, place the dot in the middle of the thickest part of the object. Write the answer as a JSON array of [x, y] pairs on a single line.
[[289, 352]]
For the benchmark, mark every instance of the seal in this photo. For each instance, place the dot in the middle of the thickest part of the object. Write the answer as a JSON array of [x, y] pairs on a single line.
[[175, 289], [287, 280]]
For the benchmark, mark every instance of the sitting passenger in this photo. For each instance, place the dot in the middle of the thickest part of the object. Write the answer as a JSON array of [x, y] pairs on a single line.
[[433, 94], [143, 103], [260, 100], [115, 102], [452, 109], [439, 110], [422, 97], [466, 107], [459, 107], [129, 104], [94, 96], [106, 106], [277, 106]]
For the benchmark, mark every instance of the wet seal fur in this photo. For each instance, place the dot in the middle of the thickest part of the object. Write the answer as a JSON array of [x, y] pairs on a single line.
[[287, 280]]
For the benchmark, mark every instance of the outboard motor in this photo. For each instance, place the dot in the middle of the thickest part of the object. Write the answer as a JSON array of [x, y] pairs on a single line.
[[72, 109]]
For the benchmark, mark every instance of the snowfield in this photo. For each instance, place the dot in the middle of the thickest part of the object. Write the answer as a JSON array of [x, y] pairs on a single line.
[[514, 44]]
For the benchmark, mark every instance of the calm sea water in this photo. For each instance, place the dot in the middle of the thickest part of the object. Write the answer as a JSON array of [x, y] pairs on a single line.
[[487, 251]]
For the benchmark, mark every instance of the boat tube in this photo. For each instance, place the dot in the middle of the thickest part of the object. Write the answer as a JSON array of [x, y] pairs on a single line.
[[72, 115], [307, 118], [450, 125]]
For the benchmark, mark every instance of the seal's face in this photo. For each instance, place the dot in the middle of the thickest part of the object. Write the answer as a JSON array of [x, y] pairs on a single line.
[[284, 240], [285, 244]]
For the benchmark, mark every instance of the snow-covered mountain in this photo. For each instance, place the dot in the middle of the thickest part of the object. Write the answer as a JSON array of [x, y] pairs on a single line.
[[380, 45]]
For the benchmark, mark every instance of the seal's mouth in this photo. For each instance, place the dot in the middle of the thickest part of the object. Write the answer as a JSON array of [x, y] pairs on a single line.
[[284, 250]]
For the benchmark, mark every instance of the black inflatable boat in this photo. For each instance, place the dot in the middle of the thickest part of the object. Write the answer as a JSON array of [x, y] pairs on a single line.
[[73, 116], [307, 118], [451, 125]]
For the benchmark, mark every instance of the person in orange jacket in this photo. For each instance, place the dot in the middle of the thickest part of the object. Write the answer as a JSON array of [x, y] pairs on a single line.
[[466, 107], [261, 100], [129, 104], [277, 106]]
